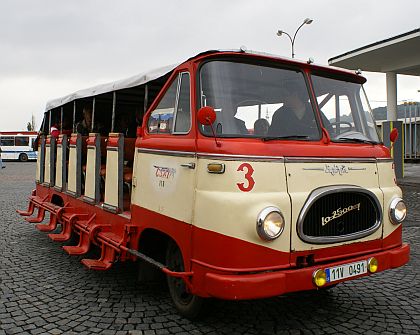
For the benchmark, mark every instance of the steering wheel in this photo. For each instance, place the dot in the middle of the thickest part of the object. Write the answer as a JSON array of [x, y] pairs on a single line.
[[350, 126], [250, 102]]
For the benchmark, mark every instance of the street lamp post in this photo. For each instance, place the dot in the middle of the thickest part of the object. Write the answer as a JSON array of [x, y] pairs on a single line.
[[292, 40]]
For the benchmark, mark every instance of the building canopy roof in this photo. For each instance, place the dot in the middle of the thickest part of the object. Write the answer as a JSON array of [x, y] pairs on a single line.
[[399, 54]]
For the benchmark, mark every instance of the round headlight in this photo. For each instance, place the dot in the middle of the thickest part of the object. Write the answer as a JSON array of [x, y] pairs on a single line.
[[397, 211], [270, 223]]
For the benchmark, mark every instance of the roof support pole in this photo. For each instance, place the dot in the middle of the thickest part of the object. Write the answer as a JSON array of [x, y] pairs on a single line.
[[49, 122], [114, 102], [74, 116], [391, 95], [93, 115], [61, 119]]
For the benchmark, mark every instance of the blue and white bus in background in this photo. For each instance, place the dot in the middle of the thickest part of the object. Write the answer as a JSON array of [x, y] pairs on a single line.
[[18, 145]]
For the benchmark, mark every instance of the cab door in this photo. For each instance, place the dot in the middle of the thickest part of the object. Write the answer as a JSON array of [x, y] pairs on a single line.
[[165, 162]]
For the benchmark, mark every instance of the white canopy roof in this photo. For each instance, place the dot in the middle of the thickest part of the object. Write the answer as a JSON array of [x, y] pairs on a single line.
[[133, 81], [143, 78], [399, 54]]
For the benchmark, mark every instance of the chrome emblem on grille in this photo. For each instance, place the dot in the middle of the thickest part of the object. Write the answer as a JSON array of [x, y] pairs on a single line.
[[339, 212]]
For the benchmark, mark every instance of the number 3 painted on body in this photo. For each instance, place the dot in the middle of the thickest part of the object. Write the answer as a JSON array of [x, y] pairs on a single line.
[[248, 177]]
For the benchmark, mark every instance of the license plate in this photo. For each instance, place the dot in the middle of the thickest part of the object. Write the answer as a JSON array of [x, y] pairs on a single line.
[[346, 271]]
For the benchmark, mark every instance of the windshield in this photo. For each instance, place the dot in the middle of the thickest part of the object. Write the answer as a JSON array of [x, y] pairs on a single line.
[[257, 101], [345, 111]]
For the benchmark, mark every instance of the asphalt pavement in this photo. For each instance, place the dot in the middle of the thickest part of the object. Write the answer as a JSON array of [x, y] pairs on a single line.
[[45, 291]]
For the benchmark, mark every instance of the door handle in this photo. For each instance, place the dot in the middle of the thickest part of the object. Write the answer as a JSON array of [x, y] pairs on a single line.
[[189, 165]]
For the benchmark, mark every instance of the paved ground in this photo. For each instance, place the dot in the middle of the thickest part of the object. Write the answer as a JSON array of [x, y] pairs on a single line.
[[43, 290]]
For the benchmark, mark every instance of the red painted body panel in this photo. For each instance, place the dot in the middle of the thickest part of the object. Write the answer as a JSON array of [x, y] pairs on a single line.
[[73, 139], [230, 268], [269, 284]]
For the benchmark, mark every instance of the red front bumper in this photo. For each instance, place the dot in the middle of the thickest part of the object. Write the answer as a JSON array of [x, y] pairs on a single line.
[[270, 284]]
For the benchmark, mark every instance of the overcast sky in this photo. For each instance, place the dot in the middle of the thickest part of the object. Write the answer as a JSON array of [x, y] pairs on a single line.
[[50, 48]]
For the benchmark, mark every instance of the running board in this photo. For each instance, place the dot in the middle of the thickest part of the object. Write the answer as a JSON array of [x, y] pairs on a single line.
[[50, 226], [39, 218]]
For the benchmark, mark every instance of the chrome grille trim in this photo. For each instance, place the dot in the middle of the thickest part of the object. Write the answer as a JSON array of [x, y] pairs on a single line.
[[319, 193]]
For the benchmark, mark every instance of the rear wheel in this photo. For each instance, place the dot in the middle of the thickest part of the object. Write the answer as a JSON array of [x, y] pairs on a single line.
[[23, 157], [187, 304]]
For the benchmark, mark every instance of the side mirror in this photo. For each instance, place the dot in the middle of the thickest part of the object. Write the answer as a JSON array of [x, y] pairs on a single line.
[[393, 135], [206, 116]]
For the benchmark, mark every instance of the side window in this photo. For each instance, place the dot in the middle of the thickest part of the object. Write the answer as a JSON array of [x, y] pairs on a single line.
[[22, 141], [175, 107], [183, 110], [7, 141], [161, 119]]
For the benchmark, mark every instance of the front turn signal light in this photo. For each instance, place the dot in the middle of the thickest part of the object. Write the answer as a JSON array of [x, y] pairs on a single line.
[[372, 265], [319, 278]]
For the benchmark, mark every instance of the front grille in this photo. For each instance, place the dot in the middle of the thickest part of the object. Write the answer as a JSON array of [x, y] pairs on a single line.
[[339, 214]]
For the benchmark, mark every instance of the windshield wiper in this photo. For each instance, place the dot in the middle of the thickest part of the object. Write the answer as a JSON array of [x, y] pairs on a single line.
[[358, 140], [289, 137]]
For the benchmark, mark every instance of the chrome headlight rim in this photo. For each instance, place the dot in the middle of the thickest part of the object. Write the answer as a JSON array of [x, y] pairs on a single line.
[[392, 209], [260, 223]]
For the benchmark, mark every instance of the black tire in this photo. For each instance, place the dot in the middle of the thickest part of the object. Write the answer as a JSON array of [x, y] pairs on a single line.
[[187, 304], [23, 157]]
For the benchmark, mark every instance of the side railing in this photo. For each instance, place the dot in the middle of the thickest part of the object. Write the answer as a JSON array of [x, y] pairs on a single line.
[[411, 130]]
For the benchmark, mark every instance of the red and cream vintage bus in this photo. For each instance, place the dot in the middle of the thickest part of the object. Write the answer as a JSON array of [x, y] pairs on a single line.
[[239, 175]]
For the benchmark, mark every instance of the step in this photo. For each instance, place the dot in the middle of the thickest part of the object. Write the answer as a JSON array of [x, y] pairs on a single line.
[[96, 264], [76, 250], [39, 218]]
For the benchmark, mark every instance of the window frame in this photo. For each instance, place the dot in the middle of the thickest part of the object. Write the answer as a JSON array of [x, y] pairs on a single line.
[[172, 131], [180, 74], [353, 101], [266, 63]]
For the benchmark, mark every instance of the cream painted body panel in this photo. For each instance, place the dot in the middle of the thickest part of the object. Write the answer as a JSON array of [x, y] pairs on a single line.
[[59, 166], [223, 208], [72, 179], [47, 175], [111, 181], [90, 179], [304, 177], [162, 185], [390, 191], [38, 164]]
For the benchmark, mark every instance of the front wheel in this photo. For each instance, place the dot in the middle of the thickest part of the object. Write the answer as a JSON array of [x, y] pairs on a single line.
[[23, 157], [187, 304]]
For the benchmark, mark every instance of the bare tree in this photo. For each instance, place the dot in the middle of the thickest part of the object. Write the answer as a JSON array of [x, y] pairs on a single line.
[[31, 125]]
